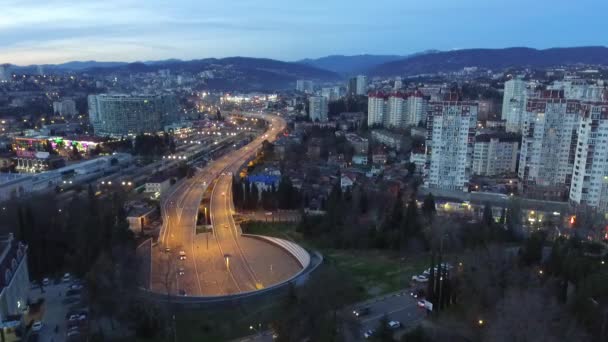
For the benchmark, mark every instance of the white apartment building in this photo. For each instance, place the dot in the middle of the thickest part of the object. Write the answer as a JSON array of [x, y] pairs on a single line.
[[66, 107], [397, 110], [305, 86], [416, 108], [513, 104], [15, 282], [331, 93], [361, 85], [495, 154], [580, 90], [317, 107], [376, 109], [548, 143], [450, 141], [590, 175], [396, 107]]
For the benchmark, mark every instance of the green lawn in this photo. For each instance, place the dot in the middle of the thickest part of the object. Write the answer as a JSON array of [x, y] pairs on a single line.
[[375, 272]]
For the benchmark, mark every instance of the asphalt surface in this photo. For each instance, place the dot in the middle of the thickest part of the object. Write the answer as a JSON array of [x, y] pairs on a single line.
[[215, 263], [399, 306]]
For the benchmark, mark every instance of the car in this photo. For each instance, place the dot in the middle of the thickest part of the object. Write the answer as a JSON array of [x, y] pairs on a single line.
[[46, 281], [37, 326], [76, 287], [66, 278], [74, 328], [361, 311], [74, 317], [420, 278], [369, 333], [72, 333], [167, 250], [394, 325], [182, 293], [182, 255], [421, 303], [181, 271]]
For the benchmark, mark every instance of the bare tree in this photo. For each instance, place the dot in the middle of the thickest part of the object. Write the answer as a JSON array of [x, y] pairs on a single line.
[[530, 315]]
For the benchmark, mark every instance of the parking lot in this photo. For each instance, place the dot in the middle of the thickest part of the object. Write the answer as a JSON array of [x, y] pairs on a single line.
[[63, 317]]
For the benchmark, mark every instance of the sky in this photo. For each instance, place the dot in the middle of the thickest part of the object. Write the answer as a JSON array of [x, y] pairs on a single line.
[[55, 31]]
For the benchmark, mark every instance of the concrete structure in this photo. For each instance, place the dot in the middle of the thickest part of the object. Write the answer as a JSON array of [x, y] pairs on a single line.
[[331, 93], [549, 144], [419, 157], [450, 140], [317, 108], [14, 277], [513, 104], [122, 115], [580, 90], [360, 144], [66, 107], [158, 185], [495, 154], [590, 175], [388, 138], [305, 86]]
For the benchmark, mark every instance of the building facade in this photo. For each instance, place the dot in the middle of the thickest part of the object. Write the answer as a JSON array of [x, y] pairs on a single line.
[[305, 86], [450, 141], [15, 280], [123, 115], [376, 109], [318, 108], [65, 107], [495, 154], [361, 88], [548, 145], [590, 175], [513, 104]]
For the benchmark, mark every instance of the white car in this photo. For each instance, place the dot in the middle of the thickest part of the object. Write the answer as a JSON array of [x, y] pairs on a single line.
[[66, 278], [394, 325], [182, 271], [369, 333], [37, 326], [182, 255], [46, 281], [420, 278]]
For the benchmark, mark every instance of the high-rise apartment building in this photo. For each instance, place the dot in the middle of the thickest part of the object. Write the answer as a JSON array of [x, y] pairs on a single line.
[[331, 93], [3, 73], [317, 107], [396, 107], [397, 110], [548, 147], [376, 109], [122, 115], [305, 86], [65, 107], [361, 85], [450, 141], [513, 104], [590, 174], [495, 154]]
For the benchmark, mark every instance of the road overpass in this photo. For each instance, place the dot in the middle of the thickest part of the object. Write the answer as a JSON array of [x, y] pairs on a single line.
[[222, 262]]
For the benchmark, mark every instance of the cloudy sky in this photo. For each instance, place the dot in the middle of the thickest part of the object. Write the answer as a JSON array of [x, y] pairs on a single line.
[[53, 31]]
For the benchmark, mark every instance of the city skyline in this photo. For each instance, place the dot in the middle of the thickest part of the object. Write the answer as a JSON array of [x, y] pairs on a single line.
[[66, 30]]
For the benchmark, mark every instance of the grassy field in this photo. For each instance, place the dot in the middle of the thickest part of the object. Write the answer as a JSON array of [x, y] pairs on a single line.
[[375, 271]]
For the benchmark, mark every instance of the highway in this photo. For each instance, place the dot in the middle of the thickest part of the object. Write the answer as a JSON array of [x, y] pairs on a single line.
[[221, 262]]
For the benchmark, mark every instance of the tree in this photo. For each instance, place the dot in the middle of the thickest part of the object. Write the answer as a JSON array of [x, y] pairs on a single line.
[[428, 206]]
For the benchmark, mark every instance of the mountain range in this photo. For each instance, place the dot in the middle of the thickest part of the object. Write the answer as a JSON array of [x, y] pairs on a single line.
[[496, 59], [263, 74]]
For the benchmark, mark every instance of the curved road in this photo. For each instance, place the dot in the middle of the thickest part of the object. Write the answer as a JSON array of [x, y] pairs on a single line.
[[215, 263]]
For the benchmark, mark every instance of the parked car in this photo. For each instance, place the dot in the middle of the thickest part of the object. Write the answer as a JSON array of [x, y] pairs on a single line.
[[167, 250], [182, 255], [37, 326], [76, 286], [420, 278], [66, 278], [418, 293], [181, 271], [46, 281], [72, 333], [361, 311], [394, 325], [369, 333]]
